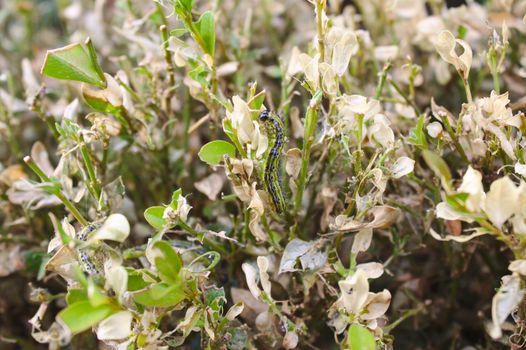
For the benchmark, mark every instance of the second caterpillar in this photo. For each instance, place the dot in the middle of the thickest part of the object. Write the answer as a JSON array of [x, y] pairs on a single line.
[[272, 164]]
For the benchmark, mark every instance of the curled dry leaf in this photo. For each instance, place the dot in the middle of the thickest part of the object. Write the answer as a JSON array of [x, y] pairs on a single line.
[[248, 130], [308, 254], [383, 217], [253, 306], [293, 164], [243, 167], [329, 197], [309, 66], [434, 129], [501, 201], [210, 185], [265, 321], [29, 80], [509, 295], [328, 79], [346, 46], [362, 240], [63, 262], [71, 110], [402, 167], [445, 45], [235, 311], [115, 228], [251, 275], [191, 317], [472, 185], [355, 291], [294, 65], [518, 266], [263, 265], [57, 335], [41, 157], [296, 125], [380, 132], [371, 269], [117, 280], [103, 126], [461, 238], [290, 341], [377, 305], [112, 94], [256, 211], [117, 326]]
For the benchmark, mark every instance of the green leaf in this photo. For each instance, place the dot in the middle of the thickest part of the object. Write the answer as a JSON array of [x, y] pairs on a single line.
[[75, 295], [462, 31], [439, 167], [99, 103], [178, 32], [34, 259], [457, 201], [206, 27], [135, 280], [199, 74], [82, 315], [184, 5], [213, 152], [160, 295], [211, 258], [95, 295], [68, 129], [64, 237], [215, 298], [175, 198], [215, 293], [74, 62], [228, 128], [417, 136], [157, 18], [154, 216], [168, 262], [359, 338], [80, 277], [52, 187], [257, 101]]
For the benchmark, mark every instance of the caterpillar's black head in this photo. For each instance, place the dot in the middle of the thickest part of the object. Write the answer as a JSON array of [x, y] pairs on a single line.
[[264, 116]]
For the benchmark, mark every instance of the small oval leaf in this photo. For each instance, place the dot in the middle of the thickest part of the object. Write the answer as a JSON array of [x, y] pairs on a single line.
[[82, 315], [206, 27], [160, 295], [439, 167], [214, 151], [74, 62], [168, 262], [154, 216], [359, 338]]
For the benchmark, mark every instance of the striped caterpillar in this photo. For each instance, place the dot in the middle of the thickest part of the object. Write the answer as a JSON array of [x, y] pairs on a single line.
[[87, 265], [272, 179]]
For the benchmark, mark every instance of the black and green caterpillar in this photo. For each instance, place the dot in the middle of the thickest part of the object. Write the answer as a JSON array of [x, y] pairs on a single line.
[[272, 164]]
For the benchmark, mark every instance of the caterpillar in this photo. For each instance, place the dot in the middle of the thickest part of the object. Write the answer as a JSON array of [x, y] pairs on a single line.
[[272, 164], [86, 262]]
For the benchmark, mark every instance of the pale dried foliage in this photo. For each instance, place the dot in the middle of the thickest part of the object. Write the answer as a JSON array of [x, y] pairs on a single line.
[[381, 200]]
